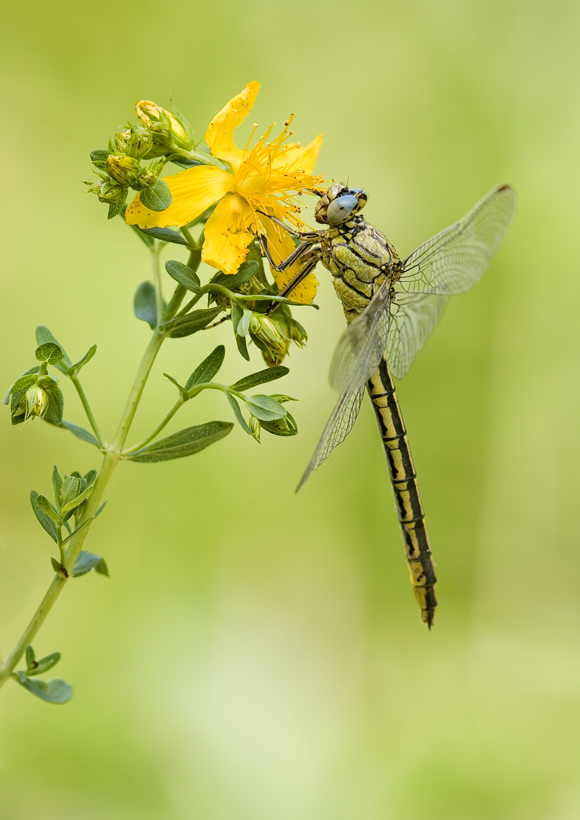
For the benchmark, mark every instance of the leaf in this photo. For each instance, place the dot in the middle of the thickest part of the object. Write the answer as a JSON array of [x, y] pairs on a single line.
[[157, 197], [270, 374], [85, 359], [43, 519], [30, 656], [43, 665], [265, 408], [55, 409], [116, 208], [50, 352], [191, 322], [209, 368], [90, 477], [99, 155], [145, 304], [58, 567], [43, 335], [46, 507], [88, 561], [56, 483], [238, 413], [183, 274], [245, 273], [182, 391], [72, 505], [164, 235], [244, 323], [79, 432], [51, 691], [237, 314], [184, 443]]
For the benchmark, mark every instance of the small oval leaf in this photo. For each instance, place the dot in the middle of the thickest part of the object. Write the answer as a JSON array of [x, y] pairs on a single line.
[[157, 197]]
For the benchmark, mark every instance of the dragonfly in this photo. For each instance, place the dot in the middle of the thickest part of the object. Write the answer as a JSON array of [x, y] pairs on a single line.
[[391, 307]]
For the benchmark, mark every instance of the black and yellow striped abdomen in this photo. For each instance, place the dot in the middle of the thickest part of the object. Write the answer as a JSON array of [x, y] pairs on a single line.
[[411, 516]]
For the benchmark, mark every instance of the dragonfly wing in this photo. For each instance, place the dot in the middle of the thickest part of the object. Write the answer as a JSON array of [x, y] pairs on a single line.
[[361, 346], [337, 429], [413, 318], [454, 260]]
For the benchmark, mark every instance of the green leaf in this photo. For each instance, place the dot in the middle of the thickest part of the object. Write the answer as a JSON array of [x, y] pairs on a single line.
[[79, 432], [55, 409], [245, 273], [265, 408], [116, 208], [46, 507], [270, 374], [145, 304], [182, 391], [43, 335], [183, 274], [184, 443], [49, 352], [209, 368], [90, 477], [238, 413], [164, 235], [44, 520], [58, 567], [237, 314], [30, 656], [157, 197], [25, 379], [88, 561], [86, 358], [99, 155], [244, 323], [191, 322], [43, 665], [51, 691], [56, 483], [72, 505]]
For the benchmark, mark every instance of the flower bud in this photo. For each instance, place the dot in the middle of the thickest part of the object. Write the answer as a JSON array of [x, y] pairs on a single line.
[[36, 401], [123, 169], [136, 141], [269, 337], [150, 175], [109, 191], [285, 426], [169, 131]]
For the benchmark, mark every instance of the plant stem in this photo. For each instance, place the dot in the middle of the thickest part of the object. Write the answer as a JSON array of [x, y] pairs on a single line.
[[89, 413], [155, 251], [112, 456]]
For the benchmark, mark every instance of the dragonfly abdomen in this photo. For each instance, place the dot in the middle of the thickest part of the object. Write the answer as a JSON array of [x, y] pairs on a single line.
[[409, 508]]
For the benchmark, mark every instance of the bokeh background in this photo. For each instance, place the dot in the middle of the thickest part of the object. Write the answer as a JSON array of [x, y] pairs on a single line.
[[257, 654]]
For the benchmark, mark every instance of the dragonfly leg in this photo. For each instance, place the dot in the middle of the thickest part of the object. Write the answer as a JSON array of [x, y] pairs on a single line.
[[299, 277], [313, 235], [286, 263]]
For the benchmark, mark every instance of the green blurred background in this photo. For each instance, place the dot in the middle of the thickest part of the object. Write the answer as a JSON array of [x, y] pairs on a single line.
[[258, 655]]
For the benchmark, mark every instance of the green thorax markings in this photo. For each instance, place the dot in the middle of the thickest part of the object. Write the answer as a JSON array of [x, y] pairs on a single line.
[[360, 258]]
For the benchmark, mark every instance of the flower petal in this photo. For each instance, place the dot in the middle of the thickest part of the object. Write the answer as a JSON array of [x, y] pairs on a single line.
[[226, 234], [193, 191], [298, 157], [220, 132], [281, 245]]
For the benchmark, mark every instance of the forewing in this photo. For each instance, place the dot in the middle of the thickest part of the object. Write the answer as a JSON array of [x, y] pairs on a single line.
[[361, 346], [413, 318], [454, 260], [337, 429]]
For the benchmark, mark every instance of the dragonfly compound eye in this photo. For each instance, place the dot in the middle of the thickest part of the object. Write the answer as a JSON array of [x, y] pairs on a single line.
[[340, 209]]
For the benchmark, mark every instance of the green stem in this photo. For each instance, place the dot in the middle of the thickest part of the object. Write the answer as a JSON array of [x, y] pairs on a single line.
[[89, 413], [155, 251], [112, 456]]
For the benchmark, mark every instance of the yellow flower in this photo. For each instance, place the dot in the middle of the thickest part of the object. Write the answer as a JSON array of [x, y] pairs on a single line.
[[264, 178]]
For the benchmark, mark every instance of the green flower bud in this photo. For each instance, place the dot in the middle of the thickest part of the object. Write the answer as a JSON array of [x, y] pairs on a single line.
[[170, 131], [123, 169], [150, 175], [36, 401], [136, 141], [267, 335], [109, 191], [278, 427]]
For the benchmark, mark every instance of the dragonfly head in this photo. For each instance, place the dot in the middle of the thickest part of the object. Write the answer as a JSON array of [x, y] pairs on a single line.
[[339, 204]]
